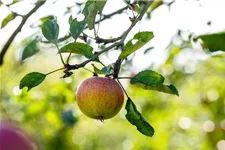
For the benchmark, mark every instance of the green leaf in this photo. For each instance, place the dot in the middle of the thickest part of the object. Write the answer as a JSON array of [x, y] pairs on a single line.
[[170, 89], [127, 2], [142, 39], [50, 17], [76, 28], [78, 48], [150, 80], [156, 4], [31, 80], [96, 70], [105, 70], [135, 118], [7, 19], [148, 77], [30, 50], [14, 2], [90, 11], [85, 11], [50, 30], [213, 42]]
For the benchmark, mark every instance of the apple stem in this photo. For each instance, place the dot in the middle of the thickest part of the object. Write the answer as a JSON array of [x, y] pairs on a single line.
[[123, 89], [101, 118]]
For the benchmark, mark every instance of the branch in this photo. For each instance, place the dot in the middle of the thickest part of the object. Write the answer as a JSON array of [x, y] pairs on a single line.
[[104, 18], [123, 37], [117, 44], [134, 22], [112, 14], [106, 41], [77, 66], [18, 29]]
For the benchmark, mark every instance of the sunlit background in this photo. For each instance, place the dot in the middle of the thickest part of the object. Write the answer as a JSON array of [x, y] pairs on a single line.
[[193, 121]]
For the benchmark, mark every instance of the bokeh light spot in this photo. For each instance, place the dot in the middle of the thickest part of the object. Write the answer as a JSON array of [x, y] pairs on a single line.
[[16, 90], [208, 126], [127, 145], [222, 124], [185, 122], [221, 145], [212, 95]]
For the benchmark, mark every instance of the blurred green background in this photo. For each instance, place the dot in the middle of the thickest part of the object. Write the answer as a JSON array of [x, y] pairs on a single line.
[[193, 121]]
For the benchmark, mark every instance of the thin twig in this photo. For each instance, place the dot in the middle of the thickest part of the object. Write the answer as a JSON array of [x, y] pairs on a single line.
[[68, 58], [123, 89], [77, 66], [101, 63], [18, 29], [112, 14], [106, 41], [136, 20], [124, 78], [89, 70], [60, 54], [55, 71]]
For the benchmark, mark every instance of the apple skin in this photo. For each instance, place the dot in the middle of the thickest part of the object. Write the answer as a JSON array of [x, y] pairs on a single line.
[[14, 138], [99, 97]]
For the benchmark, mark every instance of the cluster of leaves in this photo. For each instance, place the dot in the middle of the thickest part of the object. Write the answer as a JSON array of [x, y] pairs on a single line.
[[147, 79]]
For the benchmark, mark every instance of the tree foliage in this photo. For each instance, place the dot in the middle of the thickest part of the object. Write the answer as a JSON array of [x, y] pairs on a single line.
[[149, 115]]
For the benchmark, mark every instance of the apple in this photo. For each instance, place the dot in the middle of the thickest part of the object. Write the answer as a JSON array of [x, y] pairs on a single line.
[[14, 138], [100, 97]]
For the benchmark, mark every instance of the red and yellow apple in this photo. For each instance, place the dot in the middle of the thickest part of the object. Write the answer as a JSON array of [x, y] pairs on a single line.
[[99, 97]]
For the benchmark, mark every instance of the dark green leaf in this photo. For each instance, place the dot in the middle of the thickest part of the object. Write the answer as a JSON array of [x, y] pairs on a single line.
[[159, 87], [85, 11], [50, 17], [78, 48], [150, 80], [90, 11], [213, 42], [50, 30], [135, 118], [148, 77], [31, 80], [76, 28], [107, 70], [141, 4], [30, 50], [142, 38], [7, 19]]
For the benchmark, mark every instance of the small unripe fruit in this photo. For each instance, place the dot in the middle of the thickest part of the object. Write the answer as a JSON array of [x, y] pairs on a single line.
[[14, 138], [100, 97]]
